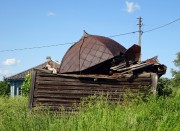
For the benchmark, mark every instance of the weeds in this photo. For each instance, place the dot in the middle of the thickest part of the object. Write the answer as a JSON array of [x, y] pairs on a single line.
[[98, 114]]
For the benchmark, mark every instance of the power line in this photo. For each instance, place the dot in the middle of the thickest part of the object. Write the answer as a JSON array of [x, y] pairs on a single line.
[[133, 32], [162, 26], [47, 46], [36, 47]]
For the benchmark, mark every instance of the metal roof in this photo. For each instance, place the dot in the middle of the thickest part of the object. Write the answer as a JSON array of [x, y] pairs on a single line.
[[90, 50]]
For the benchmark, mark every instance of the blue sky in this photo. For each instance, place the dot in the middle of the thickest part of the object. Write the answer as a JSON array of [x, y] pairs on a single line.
[[33, 23]]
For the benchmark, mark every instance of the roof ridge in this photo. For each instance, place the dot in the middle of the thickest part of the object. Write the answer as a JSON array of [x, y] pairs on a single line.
[[22, 74]]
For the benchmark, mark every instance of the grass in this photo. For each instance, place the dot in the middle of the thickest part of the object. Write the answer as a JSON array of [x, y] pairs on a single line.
[[100, 115]]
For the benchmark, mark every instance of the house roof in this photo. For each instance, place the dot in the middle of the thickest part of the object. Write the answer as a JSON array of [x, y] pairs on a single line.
[[90, 50], [21, 75]]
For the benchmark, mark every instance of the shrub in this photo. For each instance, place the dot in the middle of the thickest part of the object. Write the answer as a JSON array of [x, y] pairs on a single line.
[[164, 87], [26, 85], [4, 88]]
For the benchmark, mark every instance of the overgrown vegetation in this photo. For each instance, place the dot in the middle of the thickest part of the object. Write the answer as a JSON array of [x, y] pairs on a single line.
[[176, 73], [164, 87], [4, 88], [26, 85], [155, 114]]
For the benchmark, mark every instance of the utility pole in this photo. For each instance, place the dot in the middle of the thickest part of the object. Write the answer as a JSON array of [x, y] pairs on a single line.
[[140, 34]]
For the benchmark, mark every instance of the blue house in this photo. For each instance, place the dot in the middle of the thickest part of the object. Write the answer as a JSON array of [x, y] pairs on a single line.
[[17, 80]]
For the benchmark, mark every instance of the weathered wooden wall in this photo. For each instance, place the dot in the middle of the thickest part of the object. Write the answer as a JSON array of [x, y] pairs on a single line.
[[64, 90]]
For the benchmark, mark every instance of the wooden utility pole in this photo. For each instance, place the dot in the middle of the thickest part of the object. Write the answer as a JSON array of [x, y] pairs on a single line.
[[140, 34]]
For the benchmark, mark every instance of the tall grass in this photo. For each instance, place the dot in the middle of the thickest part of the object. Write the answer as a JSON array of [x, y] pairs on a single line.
[[154, 114]]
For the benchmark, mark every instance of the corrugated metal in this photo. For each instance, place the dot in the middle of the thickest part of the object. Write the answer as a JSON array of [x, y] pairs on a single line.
[[89, 51], [57, 90]]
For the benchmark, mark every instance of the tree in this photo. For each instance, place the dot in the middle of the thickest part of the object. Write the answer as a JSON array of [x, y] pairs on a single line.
[[4, 88], [26, 85], [164, 87], [176, 73]]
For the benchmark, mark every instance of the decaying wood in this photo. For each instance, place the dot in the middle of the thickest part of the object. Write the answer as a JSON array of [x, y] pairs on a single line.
[[66, 90], [32, 86]]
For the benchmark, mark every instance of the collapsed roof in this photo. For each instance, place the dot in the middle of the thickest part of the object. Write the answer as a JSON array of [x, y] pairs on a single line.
[[89, 51], [94, 54]]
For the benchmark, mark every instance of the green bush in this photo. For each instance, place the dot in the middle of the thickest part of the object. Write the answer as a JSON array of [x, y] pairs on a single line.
[[26, 85], [164, 87], [176, 73], [4, 88]]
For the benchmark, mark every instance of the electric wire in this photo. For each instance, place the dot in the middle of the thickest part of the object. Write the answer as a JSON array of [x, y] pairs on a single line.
[[36, 47], [70, 43], [162, 26], [47, 46]]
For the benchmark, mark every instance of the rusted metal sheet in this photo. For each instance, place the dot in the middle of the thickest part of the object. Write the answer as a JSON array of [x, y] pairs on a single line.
[[89, 51], [133, 53], [65, 90]]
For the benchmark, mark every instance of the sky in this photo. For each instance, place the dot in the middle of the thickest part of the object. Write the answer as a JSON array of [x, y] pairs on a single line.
[[42, 23]]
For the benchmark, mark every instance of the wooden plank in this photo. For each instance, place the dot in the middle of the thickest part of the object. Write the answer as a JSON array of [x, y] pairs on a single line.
[[46, 95], [57, 105], [154, 78], [88, 84], [49, 78], [55, 100], [115, 77], [103, 87], [32, 86], [75, 92], [77, 76], [60, 79]]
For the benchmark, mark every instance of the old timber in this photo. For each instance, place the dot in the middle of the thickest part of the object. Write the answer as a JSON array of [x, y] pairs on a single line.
[[66, 90]]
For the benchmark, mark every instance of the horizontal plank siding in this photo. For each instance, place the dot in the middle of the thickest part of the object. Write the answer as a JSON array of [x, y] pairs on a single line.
[[65, 90]]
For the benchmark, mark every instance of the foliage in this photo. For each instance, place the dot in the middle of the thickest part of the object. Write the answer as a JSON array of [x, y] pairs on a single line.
[[176, 73], [177, 60], [164, 87], [155, 114], [4, 88], [26, 85]]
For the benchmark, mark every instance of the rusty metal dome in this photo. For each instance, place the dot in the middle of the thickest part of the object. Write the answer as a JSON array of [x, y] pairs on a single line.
[[89, 51]]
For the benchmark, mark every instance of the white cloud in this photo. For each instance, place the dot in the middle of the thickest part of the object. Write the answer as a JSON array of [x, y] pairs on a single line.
[[131, 7], [6, 72], [51, 14], [11, 61]]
